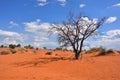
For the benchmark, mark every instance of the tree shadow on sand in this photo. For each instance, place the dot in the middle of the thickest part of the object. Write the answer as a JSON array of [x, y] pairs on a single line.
[[39, 61]]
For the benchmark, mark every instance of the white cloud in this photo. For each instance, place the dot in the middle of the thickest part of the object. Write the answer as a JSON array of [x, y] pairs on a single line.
[[12, 24], [116, 5], [62, 2], [43, 41], [45, 2], [111, 19], [11, 37], [109, 43], [42, 2], [40, 34], [8, 33], [113, 33], [110, 40], [82, 5], [37, 26], [40, 41]]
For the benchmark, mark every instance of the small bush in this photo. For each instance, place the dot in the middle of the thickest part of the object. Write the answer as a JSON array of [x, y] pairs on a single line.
[[37, 48], [48, 53], [28, 47], [34, 52], [102, 51], [13, 51], [109, 51], [58, 48], [26, 50], [118, 51], [12, 46], [95, 50], [4, 53]]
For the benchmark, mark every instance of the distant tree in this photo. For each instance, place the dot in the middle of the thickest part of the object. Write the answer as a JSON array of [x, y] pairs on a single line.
[[18, 45], [28, 47], [12, 46], [44, 48], [58, 48], [2, 46], [75, 31]]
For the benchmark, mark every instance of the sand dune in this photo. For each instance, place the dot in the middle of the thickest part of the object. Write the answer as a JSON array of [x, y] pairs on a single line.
[[30, 66]]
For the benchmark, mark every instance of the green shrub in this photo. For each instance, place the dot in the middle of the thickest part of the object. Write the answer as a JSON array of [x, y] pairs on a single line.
[[13, 51], [4, 53], [48, 53]]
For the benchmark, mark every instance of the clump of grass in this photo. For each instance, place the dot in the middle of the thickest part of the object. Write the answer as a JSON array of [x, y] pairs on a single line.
[[48, 53], [13, 51], [34, 52], [26, 50], [95, 50], [109, 51], [4, 53], [37, 48], [118, 51], [102, 51]]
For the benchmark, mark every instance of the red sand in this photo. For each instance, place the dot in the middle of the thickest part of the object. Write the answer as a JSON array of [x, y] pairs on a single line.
[[29, 66]]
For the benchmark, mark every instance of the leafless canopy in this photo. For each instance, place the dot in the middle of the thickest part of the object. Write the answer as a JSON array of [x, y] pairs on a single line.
[[75, 31]]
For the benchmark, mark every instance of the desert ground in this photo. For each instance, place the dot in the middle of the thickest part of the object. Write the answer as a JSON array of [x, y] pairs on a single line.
[[36, 65]]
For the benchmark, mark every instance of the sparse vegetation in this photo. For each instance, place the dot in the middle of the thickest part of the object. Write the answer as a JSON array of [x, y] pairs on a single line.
[[44, 48], [48, 53], [28, 47], [4, 53], [12, 46], [100, 50], [34, 52], [109, 51], [26, 50], [2, 46], [37, 48], [95, 50], [18, 45], [58, 48], [118, 51]]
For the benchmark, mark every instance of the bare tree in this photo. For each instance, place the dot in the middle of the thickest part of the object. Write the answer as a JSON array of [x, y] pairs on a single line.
[[75, 31]]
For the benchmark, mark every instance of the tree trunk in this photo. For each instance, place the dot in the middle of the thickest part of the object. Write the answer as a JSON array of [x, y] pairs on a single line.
[[77, 56]]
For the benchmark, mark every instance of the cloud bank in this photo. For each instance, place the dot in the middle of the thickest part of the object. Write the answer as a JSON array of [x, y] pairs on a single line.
[[11, 37], [40, 35], [111, 19]]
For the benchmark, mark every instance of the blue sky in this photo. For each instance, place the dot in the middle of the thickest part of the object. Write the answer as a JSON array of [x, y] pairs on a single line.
[[27, 21]]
